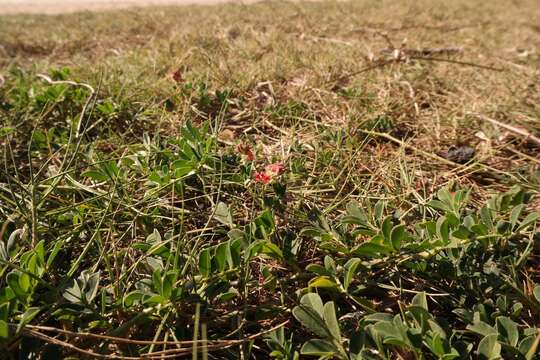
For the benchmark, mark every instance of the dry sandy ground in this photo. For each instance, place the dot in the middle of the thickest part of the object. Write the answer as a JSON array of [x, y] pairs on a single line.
[[66, 6]]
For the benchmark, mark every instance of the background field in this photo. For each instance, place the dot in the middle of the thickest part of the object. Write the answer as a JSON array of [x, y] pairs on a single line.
[[137, 201], [69, 6]]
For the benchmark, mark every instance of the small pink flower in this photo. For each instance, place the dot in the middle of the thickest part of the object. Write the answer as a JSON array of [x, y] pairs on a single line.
[[274, 169], [262, 177]]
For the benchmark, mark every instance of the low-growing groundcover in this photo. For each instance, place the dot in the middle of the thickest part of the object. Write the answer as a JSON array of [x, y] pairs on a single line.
[[196, 183], [440, 280]]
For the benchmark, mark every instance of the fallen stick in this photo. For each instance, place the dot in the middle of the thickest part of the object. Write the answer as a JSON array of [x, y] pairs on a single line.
[[528, 136], [465, 63], [425, 51]]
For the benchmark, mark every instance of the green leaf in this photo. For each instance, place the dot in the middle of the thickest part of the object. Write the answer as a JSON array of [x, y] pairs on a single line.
[[111, 169], [371, 249], [40, 252], [508, 329], [133, 297], [438, 205], [536, 293], [182, 168], [388, 330], [357, 215], [420, 300], [378, 317], [13, 282], [6, 130], [443, 229], [221, 256], [314, 302], [28, 315], [515, 214], [330, 264], [529, 219], [4, 330], [482, 328], [73, 293], [436, 328], [264, 224], [168, 282], [323, 282], [397, 236], [529, 345], [223, 214], [351, 266], [318, 347], [453, 355], [487, 218], [318, 269], [157, 281], [92, 284], [436, 345], [310, 314], [378, 210], [24, 282], [153, 299], [154, 237], [422, 317], [228, 295], [56, 249], [271, 250], [489, 348], [331, 321], [95, 175], [205, 263], [386, 229], [236, 234], [229, 255]]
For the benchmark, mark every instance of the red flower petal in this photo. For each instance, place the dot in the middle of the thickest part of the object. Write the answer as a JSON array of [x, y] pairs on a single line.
[[262, 177], [246, 151]]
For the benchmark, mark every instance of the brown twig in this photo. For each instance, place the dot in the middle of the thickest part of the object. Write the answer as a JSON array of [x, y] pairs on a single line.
[[400, 59], [528, 136], [466, 63], [67, 345], [362, 70], [426, 51], [185, 346]]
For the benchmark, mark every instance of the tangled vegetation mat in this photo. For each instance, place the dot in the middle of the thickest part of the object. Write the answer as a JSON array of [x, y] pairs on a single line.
[[347, 180]]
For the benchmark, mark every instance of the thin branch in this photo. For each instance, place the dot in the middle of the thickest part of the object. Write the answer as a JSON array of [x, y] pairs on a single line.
[[362, 70], [64, 344], [185, 346], [466, 63], [528, 136]]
